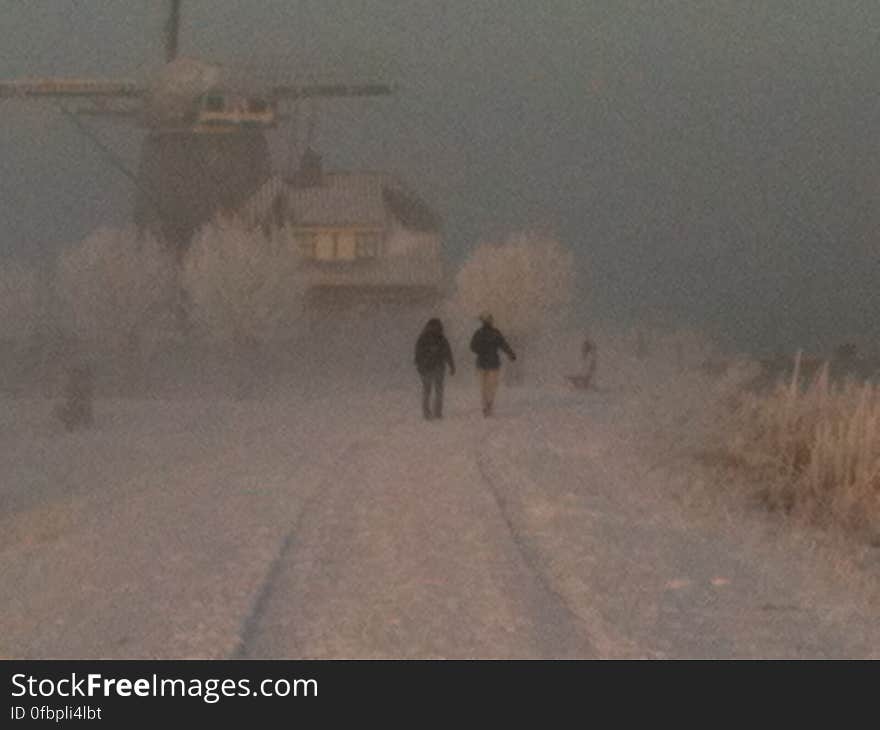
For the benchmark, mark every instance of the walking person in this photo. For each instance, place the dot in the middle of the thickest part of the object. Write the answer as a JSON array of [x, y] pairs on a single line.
[[486, 343], [433, 354]]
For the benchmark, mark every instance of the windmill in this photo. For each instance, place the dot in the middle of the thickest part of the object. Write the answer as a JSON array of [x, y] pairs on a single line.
[[205, 148]]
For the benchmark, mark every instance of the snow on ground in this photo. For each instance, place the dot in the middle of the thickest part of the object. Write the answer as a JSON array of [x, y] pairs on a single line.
[[322, 521], [650, 579]]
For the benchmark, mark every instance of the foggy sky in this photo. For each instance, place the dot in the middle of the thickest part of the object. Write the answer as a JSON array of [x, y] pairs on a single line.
[[714, 161]]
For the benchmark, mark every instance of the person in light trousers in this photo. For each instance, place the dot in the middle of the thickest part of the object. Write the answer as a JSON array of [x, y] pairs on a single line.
[[486, 344]]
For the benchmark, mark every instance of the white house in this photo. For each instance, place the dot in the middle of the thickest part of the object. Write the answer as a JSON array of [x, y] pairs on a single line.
[[360, 234]]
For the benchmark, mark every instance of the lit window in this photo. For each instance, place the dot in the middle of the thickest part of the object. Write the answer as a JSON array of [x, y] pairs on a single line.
[[336, 245], [345, 247], [325, 247]]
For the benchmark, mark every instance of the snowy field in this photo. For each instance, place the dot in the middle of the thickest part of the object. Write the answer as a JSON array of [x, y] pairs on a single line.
[[323, 517]]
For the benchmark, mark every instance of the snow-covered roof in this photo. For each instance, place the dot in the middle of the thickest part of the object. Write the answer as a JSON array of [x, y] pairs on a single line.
[[368, 199], [340, 199]]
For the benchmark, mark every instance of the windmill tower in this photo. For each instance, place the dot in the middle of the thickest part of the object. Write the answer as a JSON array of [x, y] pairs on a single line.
[[205, 149]]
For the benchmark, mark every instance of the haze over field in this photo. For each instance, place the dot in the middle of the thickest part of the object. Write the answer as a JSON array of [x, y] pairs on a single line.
[[714, 161], [208, 450]]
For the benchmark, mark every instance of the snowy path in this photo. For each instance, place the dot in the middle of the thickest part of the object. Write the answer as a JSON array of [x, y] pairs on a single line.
[[405, 553], [151, 535], [304, 529]]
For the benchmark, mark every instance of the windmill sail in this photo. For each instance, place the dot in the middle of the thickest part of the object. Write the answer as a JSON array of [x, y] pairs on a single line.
[[70, 87], [205, 150], [326, 91]]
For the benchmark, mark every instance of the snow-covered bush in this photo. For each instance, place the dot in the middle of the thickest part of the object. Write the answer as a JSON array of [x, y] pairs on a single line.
[[243, 287], [526, 283], [114, 285]]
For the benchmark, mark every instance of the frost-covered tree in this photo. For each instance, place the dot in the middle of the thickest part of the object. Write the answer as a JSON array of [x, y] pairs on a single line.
[[114, 285], [526, 282], [243, 287], [21, 303]]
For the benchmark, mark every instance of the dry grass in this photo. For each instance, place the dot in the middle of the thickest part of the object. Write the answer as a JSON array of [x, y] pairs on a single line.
[[815, 447]]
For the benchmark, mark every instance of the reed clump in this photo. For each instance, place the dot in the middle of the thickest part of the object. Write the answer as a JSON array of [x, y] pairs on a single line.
[[814, 446]]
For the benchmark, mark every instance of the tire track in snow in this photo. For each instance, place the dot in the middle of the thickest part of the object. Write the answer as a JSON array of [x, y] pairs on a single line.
[[608, 643], [408, 558], [251, 621], [250, 625], [647, 575]]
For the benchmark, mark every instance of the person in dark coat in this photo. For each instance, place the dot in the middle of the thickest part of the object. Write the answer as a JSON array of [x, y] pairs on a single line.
[[433, 354], [486, 343]]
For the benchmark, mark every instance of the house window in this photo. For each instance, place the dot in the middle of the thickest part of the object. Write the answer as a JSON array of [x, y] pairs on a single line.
[[345, 246], [325, 247], [337, 245], [367, 245]]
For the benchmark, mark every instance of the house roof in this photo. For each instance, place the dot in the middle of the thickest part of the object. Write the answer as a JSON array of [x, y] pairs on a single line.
[[367, 199]]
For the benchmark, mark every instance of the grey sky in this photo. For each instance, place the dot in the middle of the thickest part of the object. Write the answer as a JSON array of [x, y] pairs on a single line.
[[716, 160]]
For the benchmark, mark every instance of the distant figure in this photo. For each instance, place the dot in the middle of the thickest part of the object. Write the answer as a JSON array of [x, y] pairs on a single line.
[[486, 343], [590, 354], [76, 409], [433, 354]]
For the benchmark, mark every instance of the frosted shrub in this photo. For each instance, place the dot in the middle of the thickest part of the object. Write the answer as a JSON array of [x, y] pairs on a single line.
[[526, 282], [114, 285], [243, 287]]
